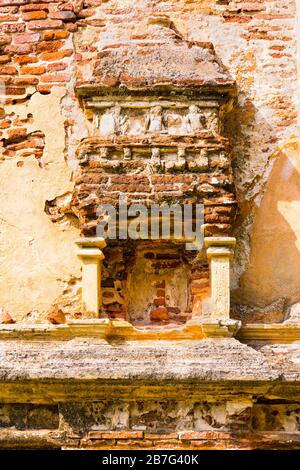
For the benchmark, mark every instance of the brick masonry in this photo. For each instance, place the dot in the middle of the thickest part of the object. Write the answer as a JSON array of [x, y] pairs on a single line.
[[150, 425], [45, 49]]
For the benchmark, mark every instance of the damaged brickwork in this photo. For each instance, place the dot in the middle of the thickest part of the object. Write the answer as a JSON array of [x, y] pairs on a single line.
[[46, 47]]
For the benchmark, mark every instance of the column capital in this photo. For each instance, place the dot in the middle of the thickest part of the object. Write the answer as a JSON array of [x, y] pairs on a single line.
[[91, 242], [228, 242], [219, 246]]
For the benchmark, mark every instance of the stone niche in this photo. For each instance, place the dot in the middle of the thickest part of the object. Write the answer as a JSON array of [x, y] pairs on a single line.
[[155, 108]]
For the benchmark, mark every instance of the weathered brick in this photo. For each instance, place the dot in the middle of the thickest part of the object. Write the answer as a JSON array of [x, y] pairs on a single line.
[[10, 90], [8, 70], [38, 70], [8, 18], [53, 56], [49, 46], [63, 15], [34, 15], [4, 39], [35, 6], [14, 134], [55, 78], [56, 67], [19, 49], [12, 28], [26, 81], [26, 37], [44, 24], [52, 35], [159, 314], [26, 59], [4, 59], [116, 435]]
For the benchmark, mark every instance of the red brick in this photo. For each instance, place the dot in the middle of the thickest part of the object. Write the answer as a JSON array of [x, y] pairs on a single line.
[[26, 81], [160, 292], [49, 46], [19, 49], [9, 9], [5, 317], [34, 15], [56, 317], [8, 18], [26, 37], [52, 56], [12, 28], [55, 78], [138, 444], [25, 59], [8, 70], [14, 134], [56, 67], [38, 70], [72, 27], [4, 59], [70, 7], [191, 435], [86, 13], [37, 6], [155, 435], [44, 24], [14, 91], [4, 39], [44, 89], [159, 314], [52, 35], [238, 19], [277, 48], [4, 124], [63, 15], [115, 435], [274, 16], [160, 284]]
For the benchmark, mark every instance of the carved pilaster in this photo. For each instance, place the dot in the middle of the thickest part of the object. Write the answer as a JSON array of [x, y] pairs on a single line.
[[91, 256], [219, 254]]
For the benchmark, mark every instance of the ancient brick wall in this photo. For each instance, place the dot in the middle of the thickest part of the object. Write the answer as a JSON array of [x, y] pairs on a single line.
[[248, 180], [153, 425], [46, 47]]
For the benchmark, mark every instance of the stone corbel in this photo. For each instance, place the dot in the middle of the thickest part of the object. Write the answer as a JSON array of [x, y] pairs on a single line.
[[91, 256]]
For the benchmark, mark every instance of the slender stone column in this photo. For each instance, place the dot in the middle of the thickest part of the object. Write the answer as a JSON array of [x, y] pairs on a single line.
[[91, 256], [219, 253]]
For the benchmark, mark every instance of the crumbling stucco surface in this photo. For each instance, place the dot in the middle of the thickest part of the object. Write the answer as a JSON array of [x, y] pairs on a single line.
[[38, 257]]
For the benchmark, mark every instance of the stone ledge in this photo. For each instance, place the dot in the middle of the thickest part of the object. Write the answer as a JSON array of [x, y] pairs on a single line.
[[106, 329], [211, 359], [193, 330]]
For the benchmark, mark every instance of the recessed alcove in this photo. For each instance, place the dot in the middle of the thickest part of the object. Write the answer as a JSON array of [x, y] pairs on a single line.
[[156, 138]]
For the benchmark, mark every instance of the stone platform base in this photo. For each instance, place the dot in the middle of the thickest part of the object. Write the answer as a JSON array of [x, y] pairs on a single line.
[[98, 393]]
